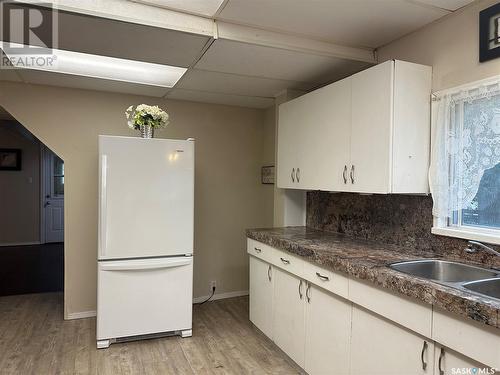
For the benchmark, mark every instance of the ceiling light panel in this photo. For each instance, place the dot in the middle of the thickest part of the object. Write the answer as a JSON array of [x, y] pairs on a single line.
[[206, 8], [110, 68]]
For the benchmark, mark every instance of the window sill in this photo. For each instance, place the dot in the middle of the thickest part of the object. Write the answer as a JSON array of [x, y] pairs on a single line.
[[476, 235]]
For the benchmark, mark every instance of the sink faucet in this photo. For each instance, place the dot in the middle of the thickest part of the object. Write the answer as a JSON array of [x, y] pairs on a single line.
[[474, 247]]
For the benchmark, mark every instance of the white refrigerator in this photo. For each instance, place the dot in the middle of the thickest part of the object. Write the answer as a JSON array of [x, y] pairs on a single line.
[[145, 238]]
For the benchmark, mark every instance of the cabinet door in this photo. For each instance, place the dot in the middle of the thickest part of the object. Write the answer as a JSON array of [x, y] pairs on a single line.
[[328, 329], [261, 296], [449, 362], [289, 121], [326, 138], [289, 315], [371, 131], [379, 346]]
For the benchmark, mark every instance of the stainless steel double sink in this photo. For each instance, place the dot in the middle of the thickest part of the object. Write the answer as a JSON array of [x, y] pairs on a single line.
[[477, 280]]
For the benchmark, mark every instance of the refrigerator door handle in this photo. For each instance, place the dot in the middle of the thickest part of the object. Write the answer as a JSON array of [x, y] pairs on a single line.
[[144, 264], [104, 205]]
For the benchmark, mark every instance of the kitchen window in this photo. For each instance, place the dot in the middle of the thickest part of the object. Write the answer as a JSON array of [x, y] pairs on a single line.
[[465, 162]]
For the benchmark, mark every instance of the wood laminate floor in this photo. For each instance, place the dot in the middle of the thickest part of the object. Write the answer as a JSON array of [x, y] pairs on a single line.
[[34, 339]]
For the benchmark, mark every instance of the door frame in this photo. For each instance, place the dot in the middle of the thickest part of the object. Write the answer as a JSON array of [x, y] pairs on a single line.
[[42, 191]]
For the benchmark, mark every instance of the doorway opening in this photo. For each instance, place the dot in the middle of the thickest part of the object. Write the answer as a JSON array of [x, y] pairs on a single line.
[[32, 212]]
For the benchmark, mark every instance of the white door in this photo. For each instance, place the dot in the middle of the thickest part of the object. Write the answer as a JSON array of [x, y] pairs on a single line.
[[289, 314], [449, 362], [326, 138], [381, 347], [146, 197], [53, 196], [144, 296], [328, 330], [261, 295], [371, 133]]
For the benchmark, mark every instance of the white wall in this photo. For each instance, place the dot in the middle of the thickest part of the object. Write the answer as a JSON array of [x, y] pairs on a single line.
[[229, 197], [20, 190]]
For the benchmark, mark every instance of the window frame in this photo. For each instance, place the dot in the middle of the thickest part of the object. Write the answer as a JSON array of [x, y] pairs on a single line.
[[443, 226]]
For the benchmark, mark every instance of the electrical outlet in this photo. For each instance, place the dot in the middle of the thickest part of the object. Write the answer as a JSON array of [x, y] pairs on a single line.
[[213, 284]]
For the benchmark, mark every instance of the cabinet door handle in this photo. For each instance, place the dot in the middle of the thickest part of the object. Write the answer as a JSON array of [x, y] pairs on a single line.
[[297, 175], [441, 356], [322, 277], [300, 289], [269, 272], [285, 261], [257, 250], [351, 174], [293, 175], [308, 297], [344, 174], [424, 348]]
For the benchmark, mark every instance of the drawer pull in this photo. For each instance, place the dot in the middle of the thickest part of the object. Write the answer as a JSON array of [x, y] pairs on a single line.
[[297, 175], [308, 297], [424, 348], [293, 175], [322, 277], [344, 174], [441, 356], [285, 261], [269, 273], [257, 250], [300, 289], [352, 174]]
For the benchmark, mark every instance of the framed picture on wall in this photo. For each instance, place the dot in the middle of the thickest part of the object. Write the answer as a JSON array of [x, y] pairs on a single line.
[[489, 33], [10, 159], [267, 174]]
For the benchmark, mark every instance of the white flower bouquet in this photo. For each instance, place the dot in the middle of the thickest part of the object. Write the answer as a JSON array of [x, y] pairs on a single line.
[[146, 118]]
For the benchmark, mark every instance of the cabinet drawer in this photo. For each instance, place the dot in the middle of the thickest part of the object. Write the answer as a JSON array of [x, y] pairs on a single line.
[[477, 341], [260, 250], [412, 314], [329, 280], [288, 262]]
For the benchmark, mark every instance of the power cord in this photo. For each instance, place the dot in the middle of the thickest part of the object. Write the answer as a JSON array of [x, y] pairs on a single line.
[[209, 298]]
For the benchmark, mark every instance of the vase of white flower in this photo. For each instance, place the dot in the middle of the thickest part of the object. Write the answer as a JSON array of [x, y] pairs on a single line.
[[147, 131], [146, 119]]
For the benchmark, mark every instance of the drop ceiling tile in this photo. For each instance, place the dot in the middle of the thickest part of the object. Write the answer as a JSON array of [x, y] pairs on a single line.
[[124, 40], [88, 83], [361, 23], [205, 8], [253, 60], [217, 98], [446, 4], [203, 80]]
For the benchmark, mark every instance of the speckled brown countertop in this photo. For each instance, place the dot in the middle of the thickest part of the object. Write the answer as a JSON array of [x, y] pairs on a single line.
[[368, 261]]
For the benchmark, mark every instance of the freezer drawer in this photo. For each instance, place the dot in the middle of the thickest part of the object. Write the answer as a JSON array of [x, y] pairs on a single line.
[[144, 296]]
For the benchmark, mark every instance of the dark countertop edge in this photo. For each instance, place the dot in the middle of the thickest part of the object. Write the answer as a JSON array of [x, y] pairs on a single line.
[[462, 303]]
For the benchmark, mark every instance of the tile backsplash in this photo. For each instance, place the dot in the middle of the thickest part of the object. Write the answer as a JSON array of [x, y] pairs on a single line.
[[403, 220]]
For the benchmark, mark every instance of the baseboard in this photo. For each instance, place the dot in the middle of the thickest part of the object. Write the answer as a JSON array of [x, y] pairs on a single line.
[[81, 315], [239, 293], [217, 296], [19, 243]]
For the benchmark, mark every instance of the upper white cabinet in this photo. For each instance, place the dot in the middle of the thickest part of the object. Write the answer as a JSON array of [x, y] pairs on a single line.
[[368, 133]]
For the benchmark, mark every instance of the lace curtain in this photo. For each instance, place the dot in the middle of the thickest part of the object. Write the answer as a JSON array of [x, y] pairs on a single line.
[[466, 143]]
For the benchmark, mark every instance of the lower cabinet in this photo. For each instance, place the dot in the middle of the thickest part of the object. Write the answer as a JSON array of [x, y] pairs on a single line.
[[449, 362], [379, 346], [328, 330], [261, 295], [289, 314]]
